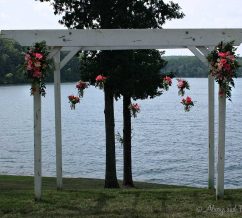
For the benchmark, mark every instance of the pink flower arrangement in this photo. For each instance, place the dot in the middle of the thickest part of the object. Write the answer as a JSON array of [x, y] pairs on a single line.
[[73, 100], [134, 109], [100, 81], [80, 85], [188, 103], [36, 66], [167, 81], [223, 67], [182, 85]]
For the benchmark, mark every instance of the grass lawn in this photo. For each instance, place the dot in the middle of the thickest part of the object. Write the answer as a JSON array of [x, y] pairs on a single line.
[[88, 198]]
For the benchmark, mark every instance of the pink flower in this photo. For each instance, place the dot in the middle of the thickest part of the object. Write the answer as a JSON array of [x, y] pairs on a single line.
[[136, 106], [168, 80], [188, 100], [29, 67], [222, 54], [227, 67], [223, 61], [71, 97], [38, 55], [134, 109], [231, 57], [30, 62], [26, 57], [181, 83], [73, 101], [81, 85], [220, 66], [188, 103], [37, 74], [228, 53], [100, 78]]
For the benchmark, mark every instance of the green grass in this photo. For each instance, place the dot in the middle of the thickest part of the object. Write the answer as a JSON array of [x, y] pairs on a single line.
[[88, 198]]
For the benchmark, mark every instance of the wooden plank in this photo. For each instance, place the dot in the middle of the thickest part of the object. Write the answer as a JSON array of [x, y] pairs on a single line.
[[58, 129], [221, 148], [53, 52], [211, 141], [198, 54], [131, 38], [211, 117], [37, 146], [211, 153], [69, 56]]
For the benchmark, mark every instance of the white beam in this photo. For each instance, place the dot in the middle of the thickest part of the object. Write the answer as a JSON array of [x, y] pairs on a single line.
[[53, 52], [58, 130], [130, 38], [198, 54], [205, 50], [37, 146], [69, 56], [221, 147]]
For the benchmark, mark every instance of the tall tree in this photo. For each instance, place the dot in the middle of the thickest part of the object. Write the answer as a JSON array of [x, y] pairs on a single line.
[[110, 14], [140, 78]]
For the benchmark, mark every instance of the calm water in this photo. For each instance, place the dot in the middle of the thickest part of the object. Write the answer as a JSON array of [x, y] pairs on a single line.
[[169, 145]]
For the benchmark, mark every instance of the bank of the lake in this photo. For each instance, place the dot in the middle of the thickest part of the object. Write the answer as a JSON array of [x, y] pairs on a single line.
[[87, 198]]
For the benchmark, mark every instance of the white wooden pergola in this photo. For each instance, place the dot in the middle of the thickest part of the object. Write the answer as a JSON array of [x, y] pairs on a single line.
[[198, 41]]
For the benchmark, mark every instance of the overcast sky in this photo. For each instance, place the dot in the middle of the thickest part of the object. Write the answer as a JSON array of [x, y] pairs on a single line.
[[31, 14]]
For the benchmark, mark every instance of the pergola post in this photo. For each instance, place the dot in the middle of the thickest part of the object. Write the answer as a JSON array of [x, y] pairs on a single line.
[[211, 141], [57, 89], [221, 146], [37, 146], [58, 131], [200, 52]]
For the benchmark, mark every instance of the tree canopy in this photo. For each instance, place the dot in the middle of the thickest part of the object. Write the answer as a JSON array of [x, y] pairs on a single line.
[[81, 14]]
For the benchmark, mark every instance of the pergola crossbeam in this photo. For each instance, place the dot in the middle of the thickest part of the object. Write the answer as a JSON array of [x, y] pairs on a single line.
[[130, 38]]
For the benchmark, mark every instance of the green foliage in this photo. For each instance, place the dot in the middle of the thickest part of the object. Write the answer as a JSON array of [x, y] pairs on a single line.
[[79, 14], [133, 73], [10, 61], [189, 66], [186, 66]]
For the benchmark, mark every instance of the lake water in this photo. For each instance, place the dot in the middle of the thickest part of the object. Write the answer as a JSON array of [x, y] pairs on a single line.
[[169, 145]]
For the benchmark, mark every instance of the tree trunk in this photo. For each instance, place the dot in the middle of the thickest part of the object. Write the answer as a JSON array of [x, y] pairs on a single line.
[[127, 167], [110, 174]]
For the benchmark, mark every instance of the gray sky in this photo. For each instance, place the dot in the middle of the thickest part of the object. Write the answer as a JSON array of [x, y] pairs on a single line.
[[31, 14]]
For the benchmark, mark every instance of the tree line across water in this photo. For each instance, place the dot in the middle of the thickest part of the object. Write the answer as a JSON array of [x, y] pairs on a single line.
[[11, 60]]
